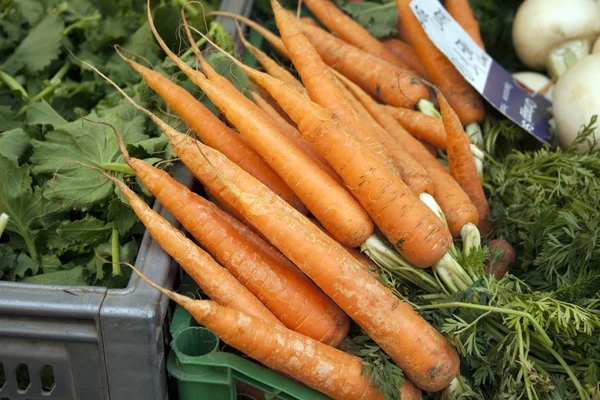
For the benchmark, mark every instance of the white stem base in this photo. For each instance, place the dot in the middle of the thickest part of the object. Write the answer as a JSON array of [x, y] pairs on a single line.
[[3, 222]]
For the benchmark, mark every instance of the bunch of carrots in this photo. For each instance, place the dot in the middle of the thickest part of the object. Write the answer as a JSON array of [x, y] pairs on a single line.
[[303, 175]]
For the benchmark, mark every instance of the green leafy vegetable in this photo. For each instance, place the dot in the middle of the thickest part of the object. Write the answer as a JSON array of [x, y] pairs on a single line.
[[377, 18], [61, 216]]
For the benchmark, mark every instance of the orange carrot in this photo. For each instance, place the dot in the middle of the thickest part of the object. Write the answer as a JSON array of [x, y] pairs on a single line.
[[214, 280], [430, 148], [348, 221], [453, 201], [420, 125], [272, 67], [430, 362], [384, 81], [295, 136], [215, 133], [282, 288], [362, 259], [326, 369], [406, 53], [407, 223], [412, 173], [463, 98], [462, 12], [402, 32], [462, 163], [351, 31]]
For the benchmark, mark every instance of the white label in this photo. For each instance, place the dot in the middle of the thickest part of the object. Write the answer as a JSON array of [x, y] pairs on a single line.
[[470, 60]]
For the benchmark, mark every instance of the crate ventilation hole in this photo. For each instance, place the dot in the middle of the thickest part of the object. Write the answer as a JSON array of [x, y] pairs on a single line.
[[24, 380]]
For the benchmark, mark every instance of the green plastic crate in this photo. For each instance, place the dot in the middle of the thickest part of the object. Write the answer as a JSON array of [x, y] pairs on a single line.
[[203, 371]]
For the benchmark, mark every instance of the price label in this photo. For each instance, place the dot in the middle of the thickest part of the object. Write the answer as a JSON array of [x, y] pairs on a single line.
[[529, 110]]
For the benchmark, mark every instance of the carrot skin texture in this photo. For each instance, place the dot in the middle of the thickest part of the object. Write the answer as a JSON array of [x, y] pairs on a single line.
[[462, 12], [406, 53], [284, 290], [451, 198], [412, 173], [295, 136], [273, 68], [321, 367], [463, 98], [462, 163], [348, 222], [213, 279], [384, 81], [422, 352], [215, 133], [380, 191], [420, 125], [351, 32]]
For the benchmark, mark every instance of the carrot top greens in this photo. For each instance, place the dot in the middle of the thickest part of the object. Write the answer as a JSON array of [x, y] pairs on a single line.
[[47, 100]]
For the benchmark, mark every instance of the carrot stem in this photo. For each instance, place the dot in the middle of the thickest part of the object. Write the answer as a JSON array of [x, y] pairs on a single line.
[[546, 341], [471, 238], [427, 107], [116, 257], [3, 222], [391, 261], [475, 133]]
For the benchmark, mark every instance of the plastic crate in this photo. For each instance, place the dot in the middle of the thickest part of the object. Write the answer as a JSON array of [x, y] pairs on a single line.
[[203, 371], [99, 343]]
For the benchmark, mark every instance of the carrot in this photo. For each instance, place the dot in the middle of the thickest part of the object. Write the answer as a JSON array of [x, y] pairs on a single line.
[[362, 259], [507, 256], [448, 194], [215, 133], [402, 32], [406, 53], [348, 221], [462, 163], [463, 98], [214, 280], [415, 177], [351, 31], [282, 288], [407, 223], [321, 367], [384, 81], [420, 125], [272, 67], [431, 362], [294, 135], [462, 12], [430, 148]]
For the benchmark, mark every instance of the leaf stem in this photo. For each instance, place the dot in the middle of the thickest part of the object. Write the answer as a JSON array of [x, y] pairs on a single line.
[[569, 372], [3, 221], [116, 258], [116, 167], [54, 83], [543, 335], [12, 84]]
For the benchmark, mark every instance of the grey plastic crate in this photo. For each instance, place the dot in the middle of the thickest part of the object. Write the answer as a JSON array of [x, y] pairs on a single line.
[[101, 344]]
